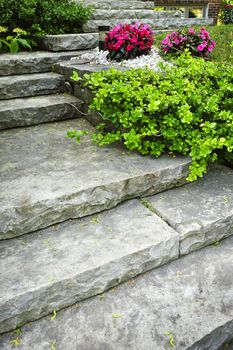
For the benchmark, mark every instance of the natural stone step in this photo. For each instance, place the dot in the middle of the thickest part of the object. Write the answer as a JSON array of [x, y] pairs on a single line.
[[135, 14], [109, 4], [46, 178], [201, 212], [31, 85], [67, 68], [78, 259], [69, 42], [38, 110], [32, 62], [160, 23], [187, 304]]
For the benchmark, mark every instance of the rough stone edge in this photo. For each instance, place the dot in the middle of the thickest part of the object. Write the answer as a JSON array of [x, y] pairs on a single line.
[[70, 110], [143, 261], [24, 63], [70, 42], [216, 339], [136, 186]]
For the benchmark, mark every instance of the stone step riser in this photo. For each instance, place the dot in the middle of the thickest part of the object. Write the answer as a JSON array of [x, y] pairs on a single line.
[[133, 14], [186, 303], [121, 5], [32, 62], [57, 168], [31, 85], [78, 259], [69, 42], [160, 23], [38, 110]]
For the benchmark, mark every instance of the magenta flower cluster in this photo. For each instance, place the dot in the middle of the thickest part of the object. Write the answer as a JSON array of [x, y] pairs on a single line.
[[126, 41], [199, 43]]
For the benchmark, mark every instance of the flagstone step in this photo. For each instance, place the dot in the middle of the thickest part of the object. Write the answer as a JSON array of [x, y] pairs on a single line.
[[80, 258], [66, 263], [46, 178], [201, 212], [135, 14], [109, 4], [160, 23], [32, 62], [69, 42], [186, 304], [37, 110], [31, 85]]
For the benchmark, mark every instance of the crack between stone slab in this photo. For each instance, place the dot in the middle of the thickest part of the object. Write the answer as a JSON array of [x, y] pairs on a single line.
[[147, 204]]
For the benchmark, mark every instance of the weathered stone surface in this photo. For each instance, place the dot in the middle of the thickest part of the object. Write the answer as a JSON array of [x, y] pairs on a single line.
[[190, 299], [68, 42], [78, 259], [46, 178], [38, 110], [66, 68], [135, 14], [120, 4], [159, 23], [32, 62], [31, 85], [201, 212]]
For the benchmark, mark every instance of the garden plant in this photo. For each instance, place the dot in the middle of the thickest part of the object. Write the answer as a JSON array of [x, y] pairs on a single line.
[[13, 42], [199, 43], [226, 14], [41, 17], [186, 108], [127, 41]]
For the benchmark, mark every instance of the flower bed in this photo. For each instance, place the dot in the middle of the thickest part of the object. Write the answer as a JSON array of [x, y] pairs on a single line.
[[127, 41], [198, 43]]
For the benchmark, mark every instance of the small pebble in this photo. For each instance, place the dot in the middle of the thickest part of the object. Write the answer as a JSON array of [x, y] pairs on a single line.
[[96, 57]]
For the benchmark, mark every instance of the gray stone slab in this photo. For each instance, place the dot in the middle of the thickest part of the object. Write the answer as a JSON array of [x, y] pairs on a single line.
[[163, 22], [32, 62], [38, 110], [47, 178], [69, 42], [67, 68], [31, 85], [136, 14], [189, 300], [201, 212], [106, 4], [56, 267]]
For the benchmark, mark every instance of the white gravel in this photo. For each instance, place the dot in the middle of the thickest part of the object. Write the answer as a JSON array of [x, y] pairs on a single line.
[[100, 57]]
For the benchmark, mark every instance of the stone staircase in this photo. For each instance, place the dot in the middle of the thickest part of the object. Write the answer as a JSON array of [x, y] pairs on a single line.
[[111, 13], [77, 220]]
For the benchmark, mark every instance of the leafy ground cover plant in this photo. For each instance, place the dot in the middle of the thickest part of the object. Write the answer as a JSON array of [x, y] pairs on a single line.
[[186, 109], [199, 43], [13, 42], [126, 41], [40, 17], [222, 35]]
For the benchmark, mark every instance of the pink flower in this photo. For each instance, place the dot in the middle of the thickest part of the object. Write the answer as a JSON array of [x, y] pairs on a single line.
[[191, 31], [129, 47]]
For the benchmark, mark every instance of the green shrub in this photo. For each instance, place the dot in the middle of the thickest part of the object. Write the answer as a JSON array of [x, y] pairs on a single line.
[[40, 17], [186, 109]]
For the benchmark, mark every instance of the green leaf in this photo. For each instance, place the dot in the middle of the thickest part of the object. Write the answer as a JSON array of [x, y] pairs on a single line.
[[54, 314], [75, 77], [24, 43], [14, 47], [116, 315]]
